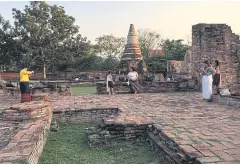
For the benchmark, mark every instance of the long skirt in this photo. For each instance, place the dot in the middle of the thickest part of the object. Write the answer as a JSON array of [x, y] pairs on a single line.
[[110, 84], [207, 87], [134, 86], [217, 80], [25, 92]]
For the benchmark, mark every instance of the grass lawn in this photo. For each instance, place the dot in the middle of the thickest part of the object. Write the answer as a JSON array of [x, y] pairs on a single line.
[[83, 90], [69, 146]]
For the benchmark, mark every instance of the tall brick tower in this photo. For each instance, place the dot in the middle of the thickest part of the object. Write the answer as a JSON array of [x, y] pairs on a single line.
[[132, 56]]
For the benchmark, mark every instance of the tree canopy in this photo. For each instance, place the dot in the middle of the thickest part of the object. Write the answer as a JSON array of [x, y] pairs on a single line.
[[50, 35], [174, 49], [111, 48], [45, 38], [148, 40]]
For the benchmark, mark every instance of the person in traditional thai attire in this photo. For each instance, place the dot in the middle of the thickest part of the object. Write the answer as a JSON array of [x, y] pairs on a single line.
[[110, 83], [24, 84], [207, 80], [217, 77], [133, 81]]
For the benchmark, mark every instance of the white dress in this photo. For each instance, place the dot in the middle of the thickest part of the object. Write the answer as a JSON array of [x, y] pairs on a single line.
[[207, 86], [109, 78], [132, 76]]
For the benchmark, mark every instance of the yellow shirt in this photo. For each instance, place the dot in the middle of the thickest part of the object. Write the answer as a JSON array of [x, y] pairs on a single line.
[[24, 75]]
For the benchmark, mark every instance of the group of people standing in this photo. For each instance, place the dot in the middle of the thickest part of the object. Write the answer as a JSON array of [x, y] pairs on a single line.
[[211, 76], [132, 81]]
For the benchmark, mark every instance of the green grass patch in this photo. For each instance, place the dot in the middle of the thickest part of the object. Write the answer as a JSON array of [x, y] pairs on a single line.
[[83, 90], [69, 146]]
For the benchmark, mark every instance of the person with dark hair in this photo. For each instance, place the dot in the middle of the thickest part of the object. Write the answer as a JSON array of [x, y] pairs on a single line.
[[217, 76], [24, 84], [207, 80], [110, 83], [133, 81]]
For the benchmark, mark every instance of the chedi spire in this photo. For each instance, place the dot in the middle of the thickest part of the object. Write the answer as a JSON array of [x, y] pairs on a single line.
[[132, 49]]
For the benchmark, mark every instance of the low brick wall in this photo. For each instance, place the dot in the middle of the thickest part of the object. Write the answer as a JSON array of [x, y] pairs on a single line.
[[160, 142], [56, 87], [58, 76], [152, 87], [39, 88], [23, 111], [84, 115], [119, 128], [227, 100], [27, 143]]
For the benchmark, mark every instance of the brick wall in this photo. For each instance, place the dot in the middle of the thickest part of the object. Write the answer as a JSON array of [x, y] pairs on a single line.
[[27, 143], [119, 128], [83, 116], [216, 42], [152, 87], [57, 76], [31, 110]]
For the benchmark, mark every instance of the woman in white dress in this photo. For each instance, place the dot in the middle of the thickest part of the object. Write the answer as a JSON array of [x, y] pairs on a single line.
[[133, 81], [207, 80], [110, 83]]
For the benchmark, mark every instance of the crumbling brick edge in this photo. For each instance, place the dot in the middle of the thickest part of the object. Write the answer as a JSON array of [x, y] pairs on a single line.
[[161, 143], [227, 100], [155, 136]]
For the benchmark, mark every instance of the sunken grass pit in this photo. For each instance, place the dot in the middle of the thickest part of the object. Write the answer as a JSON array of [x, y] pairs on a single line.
[[69, 145]]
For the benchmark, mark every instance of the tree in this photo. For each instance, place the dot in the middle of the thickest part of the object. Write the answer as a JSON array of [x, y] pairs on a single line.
[[46, 31], [10, 46], [111, 48], [71, 51], [148, 40], [89, 61], [174, 49]]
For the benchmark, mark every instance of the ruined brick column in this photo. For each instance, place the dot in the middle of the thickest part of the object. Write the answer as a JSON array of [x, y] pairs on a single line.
[[214, 42]]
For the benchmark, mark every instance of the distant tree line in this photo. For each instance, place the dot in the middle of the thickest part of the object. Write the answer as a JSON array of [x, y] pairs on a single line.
[[45, 38]]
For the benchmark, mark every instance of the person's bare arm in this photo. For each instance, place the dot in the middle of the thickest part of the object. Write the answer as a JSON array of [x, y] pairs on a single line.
[[28, 72], [208, 73]]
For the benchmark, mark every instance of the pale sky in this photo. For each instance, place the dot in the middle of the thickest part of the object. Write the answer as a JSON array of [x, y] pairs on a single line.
[[170, 19]]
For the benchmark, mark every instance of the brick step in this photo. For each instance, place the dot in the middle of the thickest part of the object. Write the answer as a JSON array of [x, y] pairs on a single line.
[[26, 111], [161, 146], [119, 128], [159, 140], [126, 120]]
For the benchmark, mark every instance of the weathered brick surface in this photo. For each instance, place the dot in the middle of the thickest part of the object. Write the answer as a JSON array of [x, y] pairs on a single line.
[[118, 128], [39, 97], [84, 115], [201, 130], [227, 100], [23, 130], [209, 129], [216, 42], [152, 87], [26, 111]]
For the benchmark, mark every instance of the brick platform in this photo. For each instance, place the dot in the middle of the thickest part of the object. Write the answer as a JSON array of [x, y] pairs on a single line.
[[23, 130], [118, 128], [227, 100], [206, 132]]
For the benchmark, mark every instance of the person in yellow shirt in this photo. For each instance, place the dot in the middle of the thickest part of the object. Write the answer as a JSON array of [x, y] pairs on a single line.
[[24, 84]]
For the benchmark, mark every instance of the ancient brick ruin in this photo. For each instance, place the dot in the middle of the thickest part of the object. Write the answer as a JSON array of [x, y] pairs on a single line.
[[217, 42], [180, 126], [27, 134], [132, 55]]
